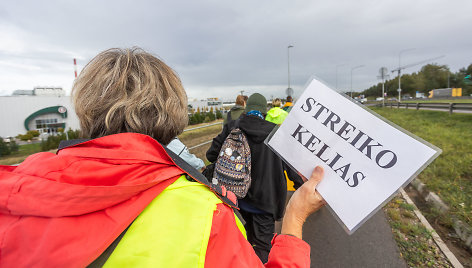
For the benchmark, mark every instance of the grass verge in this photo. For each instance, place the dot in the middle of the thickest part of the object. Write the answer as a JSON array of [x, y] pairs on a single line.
[[197, 136], [450, 175], [414, 241], [23, 152]]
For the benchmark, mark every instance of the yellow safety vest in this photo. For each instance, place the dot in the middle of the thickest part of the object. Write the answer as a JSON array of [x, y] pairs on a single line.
[[173, 230]]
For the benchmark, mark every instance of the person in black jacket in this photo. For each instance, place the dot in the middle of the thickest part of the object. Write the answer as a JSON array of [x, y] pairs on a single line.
[[265, 200]]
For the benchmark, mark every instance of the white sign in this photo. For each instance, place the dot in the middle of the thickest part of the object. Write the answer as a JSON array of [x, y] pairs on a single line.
[[366, 159]]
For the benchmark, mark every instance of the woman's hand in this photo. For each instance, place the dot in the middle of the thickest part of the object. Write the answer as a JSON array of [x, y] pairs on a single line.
[[305, 201]]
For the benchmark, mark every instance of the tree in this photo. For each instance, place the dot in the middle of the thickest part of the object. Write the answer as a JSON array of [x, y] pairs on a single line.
[[435, 76], [431, 76]]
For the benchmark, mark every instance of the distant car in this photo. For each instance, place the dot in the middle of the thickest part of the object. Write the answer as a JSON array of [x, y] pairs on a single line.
[[379, 99], [392, 99]]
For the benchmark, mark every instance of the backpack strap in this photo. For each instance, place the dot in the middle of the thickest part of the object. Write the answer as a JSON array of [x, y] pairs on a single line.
[[236, 123], [227, 197]]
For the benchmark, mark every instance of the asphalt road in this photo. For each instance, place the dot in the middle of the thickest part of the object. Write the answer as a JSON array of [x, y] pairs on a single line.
[[372, 245]]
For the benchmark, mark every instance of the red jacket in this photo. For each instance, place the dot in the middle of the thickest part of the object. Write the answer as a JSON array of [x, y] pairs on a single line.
[[65, 209]]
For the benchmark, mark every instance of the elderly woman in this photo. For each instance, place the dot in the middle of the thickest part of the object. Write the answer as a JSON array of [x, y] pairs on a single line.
[[119, 197]]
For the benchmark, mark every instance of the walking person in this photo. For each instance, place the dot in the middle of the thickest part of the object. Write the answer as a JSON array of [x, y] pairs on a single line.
[[236, 111], [288, 104], [276, 115], [119, 198], [265, 199]]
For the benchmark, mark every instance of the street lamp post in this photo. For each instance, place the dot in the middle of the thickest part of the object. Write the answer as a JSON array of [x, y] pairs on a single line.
[[352, 69], [339, 65], [288, 64], [399, 72]]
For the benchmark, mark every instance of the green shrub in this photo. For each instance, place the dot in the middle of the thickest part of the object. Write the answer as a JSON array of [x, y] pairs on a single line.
[[73, 134], [33, 133], [52, 142], [211, 115], [4, 148], [14, 146], [25, 137], [198, 117]]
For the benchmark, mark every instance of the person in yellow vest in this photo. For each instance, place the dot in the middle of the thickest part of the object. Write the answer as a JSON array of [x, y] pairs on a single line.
[[288, 104], [120, 198], [275, 114]]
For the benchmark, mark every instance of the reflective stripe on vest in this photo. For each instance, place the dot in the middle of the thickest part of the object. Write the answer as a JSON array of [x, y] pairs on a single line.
[[173, 231]]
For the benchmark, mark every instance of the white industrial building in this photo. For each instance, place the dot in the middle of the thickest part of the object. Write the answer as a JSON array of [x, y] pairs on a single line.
[[47, 108], [42, 109]]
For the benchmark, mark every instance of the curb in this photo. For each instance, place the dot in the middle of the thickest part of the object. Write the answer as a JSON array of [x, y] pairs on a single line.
[[449, 255], [463, 231]]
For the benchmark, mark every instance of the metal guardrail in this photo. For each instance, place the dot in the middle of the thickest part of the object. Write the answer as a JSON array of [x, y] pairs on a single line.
[[209, 125], [206, 142], [198, 145], [451, 107]]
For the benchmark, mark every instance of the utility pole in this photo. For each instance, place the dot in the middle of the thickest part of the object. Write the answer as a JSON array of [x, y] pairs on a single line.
[[383, 74], [400, 72], [288, 64]]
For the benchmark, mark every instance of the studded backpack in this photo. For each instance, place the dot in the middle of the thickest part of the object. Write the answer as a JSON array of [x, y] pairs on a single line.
[[233, 165]]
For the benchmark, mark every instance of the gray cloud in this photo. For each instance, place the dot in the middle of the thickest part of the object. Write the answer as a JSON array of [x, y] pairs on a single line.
[[219, 48]]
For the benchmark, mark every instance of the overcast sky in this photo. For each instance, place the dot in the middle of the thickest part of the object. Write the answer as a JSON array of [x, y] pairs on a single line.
[[222, 47]]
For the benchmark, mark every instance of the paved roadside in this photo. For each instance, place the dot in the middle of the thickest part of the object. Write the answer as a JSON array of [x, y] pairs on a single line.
[[372, 245]]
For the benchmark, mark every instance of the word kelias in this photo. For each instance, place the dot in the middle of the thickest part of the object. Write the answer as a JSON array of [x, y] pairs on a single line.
[[366, 145]]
